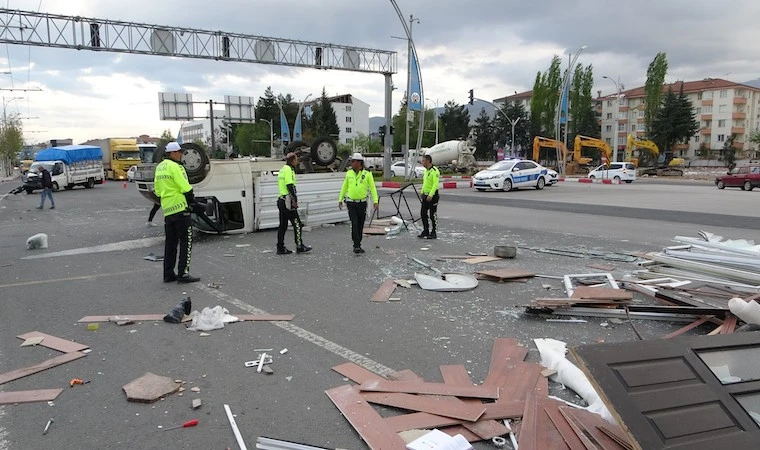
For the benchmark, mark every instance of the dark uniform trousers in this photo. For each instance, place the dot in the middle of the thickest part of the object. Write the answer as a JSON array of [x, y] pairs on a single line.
[[179, 231], [288, 215], [357, 212], [429, 208]]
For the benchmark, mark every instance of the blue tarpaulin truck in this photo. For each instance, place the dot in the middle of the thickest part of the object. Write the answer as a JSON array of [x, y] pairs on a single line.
[[69, 166]]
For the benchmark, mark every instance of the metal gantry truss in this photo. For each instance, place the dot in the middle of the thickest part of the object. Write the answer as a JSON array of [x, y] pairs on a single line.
[[84, 33]]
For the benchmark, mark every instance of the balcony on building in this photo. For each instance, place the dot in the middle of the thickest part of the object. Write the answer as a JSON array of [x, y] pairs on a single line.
[[623, 109], [737, 130], [739, 115], [705, 131], [706, 117], [622, 121], [707, 102], [681, 147], [739, 145], [740, 100]]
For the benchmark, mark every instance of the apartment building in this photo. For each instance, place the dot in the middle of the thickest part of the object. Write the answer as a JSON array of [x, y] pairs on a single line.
[[351, 114], [723, 108], [521, 98]]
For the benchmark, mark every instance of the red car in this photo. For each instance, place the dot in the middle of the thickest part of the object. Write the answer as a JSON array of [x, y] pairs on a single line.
[[745, 177]]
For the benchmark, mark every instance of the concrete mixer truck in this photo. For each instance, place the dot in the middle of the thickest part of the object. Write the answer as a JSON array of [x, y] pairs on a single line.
[[458, 154]]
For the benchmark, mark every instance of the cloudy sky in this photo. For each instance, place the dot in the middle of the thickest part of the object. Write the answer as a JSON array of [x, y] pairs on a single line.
[[492, 46]]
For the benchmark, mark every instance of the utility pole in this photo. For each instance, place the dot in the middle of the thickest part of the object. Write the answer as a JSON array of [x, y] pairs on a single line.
[[271, 136], [409, 113], [618, 88], [558, 127]]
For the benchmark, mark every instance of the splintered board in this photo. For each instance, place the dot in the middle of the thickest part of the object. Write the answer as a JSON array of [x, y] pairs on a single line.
[[505, 274]]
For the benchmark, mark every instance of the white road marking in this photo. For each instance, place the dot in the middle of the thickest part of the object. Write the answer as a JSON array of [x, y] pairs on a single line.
[[356, 358], [113, 247]]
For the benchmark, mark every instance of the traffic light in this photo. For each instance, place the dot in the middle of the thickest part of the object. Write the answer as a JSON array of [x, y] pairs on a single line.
[[472, 96], [381, 133]]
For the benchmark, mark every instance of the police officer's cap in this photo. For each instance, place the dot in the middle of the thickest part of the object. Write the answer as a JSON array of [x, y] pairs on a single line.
[[357, 157], [173, 147]]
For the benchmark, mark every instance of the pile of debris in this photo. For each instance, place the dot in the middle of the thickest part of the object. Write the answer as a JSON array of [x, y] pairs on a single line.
[[703, 279], [512, 403]]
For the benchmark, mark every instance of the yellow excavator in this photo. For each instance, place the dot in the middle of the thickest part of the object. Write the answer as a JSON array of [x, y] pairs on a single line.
[[585, 141], [666, 163], [540, 142]]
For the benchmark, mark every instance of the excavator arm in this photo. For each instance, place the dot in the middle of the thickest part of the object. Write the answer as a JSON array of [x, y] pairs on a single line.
[[585, 141]]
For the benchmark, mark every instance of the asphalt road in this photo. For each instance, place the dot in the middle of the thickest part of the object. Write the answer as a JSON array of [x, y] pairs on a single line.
[[327, 290]]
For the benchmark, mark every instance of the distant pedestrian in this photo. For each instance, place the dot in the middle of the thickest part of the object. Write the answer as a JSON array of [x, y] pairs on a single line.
[[358, 184], [47, 188], [429, 199], [287, 204], [176, 194], [153, 211]]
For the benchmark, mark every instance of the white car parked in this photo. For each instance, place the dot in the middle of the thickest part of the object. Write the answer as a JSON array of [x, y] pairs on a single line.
[[511, 174], [617, 171], [397, 169]]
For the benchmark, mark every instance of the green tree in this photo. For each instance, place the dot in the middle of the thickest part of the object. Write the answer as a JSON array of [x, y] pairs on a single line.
[[252, 139], [323, 116], [582, 115], [484, 137], [11, 141], [399, 135], [675, 122], [543, 103], [656, 72], [754, 138], [455, 121], [728, 152], [166, 137], [503, 127]]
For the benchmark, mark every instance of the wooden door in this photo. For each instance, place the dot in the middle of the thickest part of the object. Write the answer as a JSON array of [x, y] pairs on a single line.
[[686, 393]]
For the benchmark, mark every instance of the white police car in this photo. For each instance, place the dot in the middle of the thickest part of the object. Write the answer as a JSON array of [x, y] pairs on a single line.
[[512, 174]]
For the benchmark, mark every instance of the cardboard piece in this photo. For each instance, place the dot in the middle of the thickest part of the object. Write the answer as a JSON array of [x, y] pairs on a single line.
[[39, 395], [32, 341], [374, 231], [55, 343], [149, 388]]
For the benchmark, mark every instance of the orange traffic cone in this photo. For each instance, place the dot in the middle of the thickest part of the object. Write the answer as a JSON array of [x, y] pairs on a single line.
[[124, 185]]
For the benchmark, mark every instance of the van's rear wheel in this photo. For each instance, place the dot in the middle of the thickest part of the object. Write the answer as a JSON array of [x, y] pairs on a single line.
[[69, 187], [90, 183], [55, 186]]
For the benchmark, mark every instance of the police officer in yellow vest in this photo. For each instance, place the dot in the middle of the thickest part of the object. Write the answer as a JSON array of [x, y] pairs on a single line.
[[287, 204], [429, 199], [356, 187], [176, 194]]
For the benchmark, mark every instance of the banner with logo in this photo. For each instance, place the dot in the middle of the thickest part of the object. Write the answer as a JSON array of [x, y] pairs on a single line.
[[415, 87], [284, 128]]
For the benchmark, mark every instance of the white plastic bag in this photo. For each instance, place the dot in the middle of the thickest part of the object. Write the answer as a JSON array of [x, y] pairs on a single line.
[[747, 311], [553, 357], [210, 319]]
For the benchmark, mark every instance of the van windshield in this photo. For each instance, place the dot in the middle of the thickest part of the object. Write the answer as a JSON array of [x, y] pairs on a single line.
[[36, 166]]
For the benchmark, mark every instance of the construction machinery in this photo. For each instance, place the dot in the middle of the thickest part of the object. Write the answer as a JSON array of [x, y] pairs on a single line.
[[540, 142], [586, 141], [665, 163]]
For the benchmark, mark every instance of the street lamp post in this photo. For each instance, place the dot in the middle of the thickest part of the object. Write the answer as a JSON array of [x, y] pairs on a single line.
[[618, 88], [512, 146], [271, 136], [436, 117], [565, 84], [5, 103]]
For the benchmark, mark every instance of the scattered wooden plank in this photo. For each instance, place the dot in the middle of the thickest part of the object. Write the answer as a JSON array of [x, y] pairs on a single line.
[[566, 302], [39, 395], [264, 317], [729, 325], [506, 409], [410, 387], [503, 274], [519, 380], [135, 317], [688, 327], [565, 430], [461, 429], [441, 407], [55, 343], [455, 257], [414, 421], [505, 353], [538, 432], [160, 317], [39, 367], [484, 428], [405, 375], [602, 293], [384, 292], [717, 330], [481, 259], [356, 373], [616, 434], [590, 424], [374, 231], [373, 429]]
